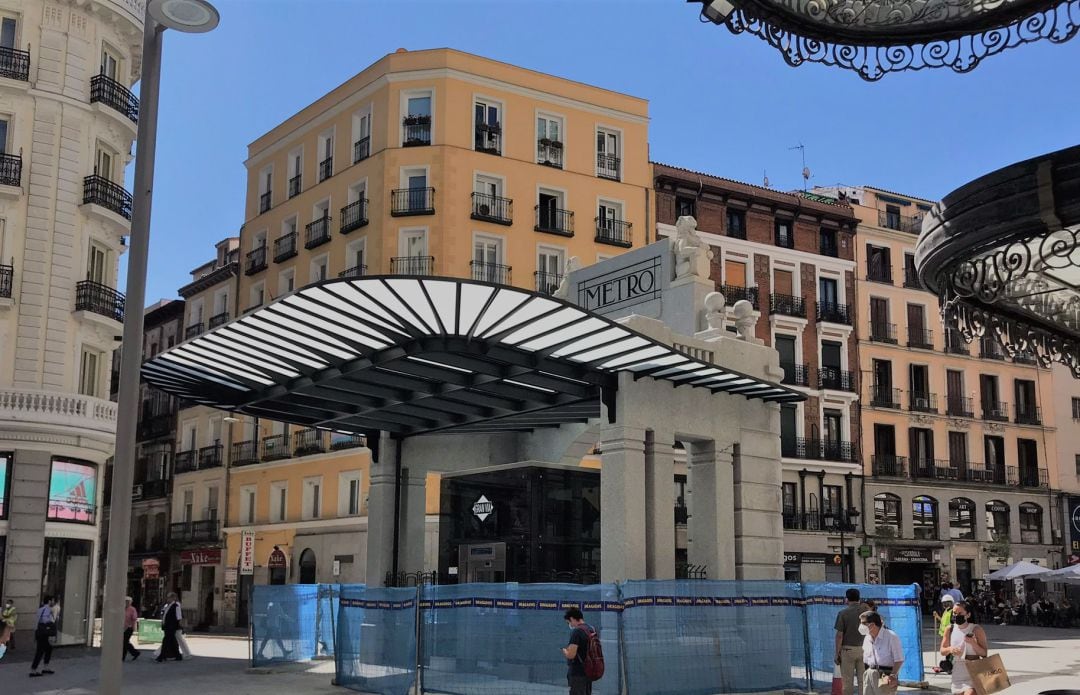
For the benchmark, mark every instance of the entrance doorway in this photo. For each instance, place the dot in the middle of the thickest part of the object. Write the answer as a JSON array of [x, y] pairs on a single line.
[[482, 562], [925, 574], [307, 567], [207, 584], [963, 577]]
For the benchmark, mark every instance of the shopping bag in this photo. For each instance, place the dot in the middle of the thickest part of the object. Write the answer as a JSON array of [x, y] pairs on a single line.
[[988, 675]]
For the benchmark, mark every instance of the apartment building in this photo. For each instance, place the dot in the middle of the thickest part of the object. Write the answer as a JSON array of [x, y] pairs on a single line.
[[67, 122], [792, 256], [1066, 406], [958, 439]]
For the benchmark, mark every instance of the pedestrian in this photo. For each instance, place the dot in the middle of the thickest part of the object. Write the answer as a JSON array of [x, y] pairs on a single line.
[[44, 631], [965, 641], [947, 605], [276, 623], [883, 655], [849, 654], [5, 638], [181, 642], [8, 617], [575, 651], [170, 623], [131, 621]]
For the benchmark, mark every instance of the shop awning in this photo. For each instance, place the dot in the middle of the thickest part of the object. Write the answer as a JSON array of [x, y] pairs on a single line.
[[411, 355]]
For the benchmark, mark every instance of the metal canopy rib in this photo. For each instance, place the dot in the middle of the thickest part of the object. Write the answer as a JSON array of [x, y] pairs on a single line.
[[414, 355]]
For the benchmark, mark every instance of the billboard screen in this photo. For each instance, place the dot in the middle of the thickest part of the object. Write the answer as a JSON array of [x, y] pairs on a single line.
[[72, 491], [5, 476]]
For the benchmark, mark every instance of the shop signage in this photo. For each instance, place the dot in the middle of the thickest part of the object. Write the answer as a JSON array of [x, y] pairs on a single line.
[[997, 507], [277, 559], [1074, 530], [911, 555], [865, 551], [247, 552], [623, 287], [805, 558], [151, 568], [230, 576], [483, 508], [201, 556], [791, 558]]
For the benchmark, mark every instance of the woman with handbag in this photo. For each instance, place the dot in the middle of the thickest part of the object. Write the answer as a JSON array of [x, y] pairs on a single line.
[[964, 641], [44, 631]]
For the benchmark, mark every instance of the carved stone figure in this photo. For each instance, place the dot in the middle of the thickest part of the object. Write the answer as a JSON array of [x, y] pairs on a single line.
[[692, 254], [714, 310], [744, 319], [563, 290]]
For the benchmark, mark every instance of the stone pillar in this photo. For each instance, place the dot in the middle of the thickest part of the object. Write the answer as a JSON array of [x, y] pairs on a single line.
[[380, 530], [1014, 527], [982, 531], [759, 533], [622, 500], [659, 505], [711, 527], [26, 535], [413, 520]]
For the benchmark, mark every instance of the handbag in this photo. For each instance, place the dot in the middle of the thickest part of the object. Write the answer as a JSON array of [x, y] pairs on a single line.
[[47, 629], [988, 675]]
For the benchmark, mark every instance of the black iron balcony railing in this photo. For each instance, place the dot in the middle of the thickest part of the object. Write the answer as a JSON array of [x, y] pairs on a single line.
[[958, 406], [7, 280], [1024, 358], [1028, 477], [111, 196], [412, 265], [549, 153], [889, 465], [882, 332], [834, 313], [922, 402], [554, 220], [339, 442], [901, 223], [783, 236], [955, 344], [412, 201], [488, 138], [210, 456], [10, 169], [682, 514], [244, 453], [547, 282], [1028, 415], [607, 166], [492, 208], [114, 95], [361, 150], [787, 305], [911, 278], [934, 469], [736, 293], [265, 200], [156, 426], [818, 450], [878, 272], [490, 272], [295, 184], [990, 349], [317, 232], [416, 131], [256, 260], [995, 410], [276, 447], [99, 299], [976, 473], [354, 215], [193, 330], [285, 247], [155, 489], [185, 532], [795, 374], [309, 441], [613, 232], [357, 271], [15, 64], [326, 169], [836, 379], [185, 461], [218, 319], [882, 396], [922, 338]]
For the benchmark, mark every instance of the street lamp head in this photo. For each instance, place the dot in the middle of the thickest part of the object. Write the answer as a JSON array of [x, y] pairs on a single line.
[[190, 16]]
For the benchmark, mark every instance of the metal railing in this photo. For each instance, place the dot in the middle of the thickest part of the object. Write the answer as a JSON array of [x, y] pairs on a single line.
[[613, 232], [1028, 415], [193, 330], [326, 169], [922, 402], [834, 313], [412, 265], [218, 319], [276, 447], [818, 449], [155, 489], [7, 280], [294, 185], [357, 271], [735, 293], [554, 220], [828, 247], [317, 232], [488, 138], [15, 64], [795, 374], [412, 201], [784, 237], [787, 305], [547, 282], [338, 442], [1024, 358], [361, 150], [10, 169], [308, 441], [607, 166], [882, 396], [490, 272], [185, 461], [1028, 477], [911, 278], [889, 465], [244, 453], [881, 332], [100, 299], [876, 272], [285, 247], [256, 260], [990, 349], [111, 196], [416, 131], [156, 426], [210, 456], [265, 200], [901, 223], [958, 406], [354, 215], [184, 532], [955, 344], [836, 379], [492, 208], [114, 95], [997, 411], [920, 338], [549, 153], [934, 469]]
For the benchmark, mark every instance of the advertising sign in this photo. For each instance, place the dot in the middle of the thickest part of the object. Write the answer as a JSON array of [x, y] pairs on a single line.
[[201, 556], [277, 559], [151, 568], [150, 631], [72, 491], [1074, 530], [911, 555], [247, 552], [5, 464], [624, 287]]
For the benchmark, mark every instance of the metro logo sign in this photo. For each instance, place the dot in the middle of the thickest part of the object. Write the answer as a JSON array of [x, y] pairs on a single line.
[[483, 508]]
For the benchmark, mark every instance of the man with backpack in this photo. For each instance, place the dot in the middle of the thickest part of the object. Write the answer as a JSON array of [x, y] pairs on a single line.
[[584, 657]]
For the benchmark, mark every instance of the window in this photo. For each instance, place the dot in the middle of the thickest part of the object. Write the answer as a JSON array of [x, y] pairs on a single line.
[[607, 154], [103, 163], [279, 495], [97, 260], [361, 131], [788, 429], [247, 504], [784, 237], [954, 392], [887, 515], [312, 498], [1076, 408], [8, 26], [685, 207], [736, 223], [958, 451], [828, 293], [296, 168], [924, 518], [414, 243], [266, 186], [320, 269], [487, 125], [417, 121], [325, 155], [961, 519], [609, 219], [488, 203], [551, 214], [911, 277], [921, 449], [487, 261], [211, 511], [1030, 523], [189, 441], [789, 497], [550, 263], [255, 296], [827, 243], [286, 282], [1026, 410], [356, 258], [349, 493], [4, 128], [878, 264], [997, 520], [892, 217], [549, 145], [832, 501], [109, 63], [189, 506], [89, 372], [1078, 464]]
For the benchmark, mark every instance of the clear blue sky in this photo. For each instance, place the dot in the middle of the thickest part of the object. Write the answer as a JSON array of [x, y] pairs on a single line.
[[719, 103]]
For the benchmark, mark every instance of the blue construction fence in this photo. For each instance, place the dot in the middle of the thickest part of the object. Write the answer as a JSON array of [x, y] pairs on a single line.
[[683, 637]]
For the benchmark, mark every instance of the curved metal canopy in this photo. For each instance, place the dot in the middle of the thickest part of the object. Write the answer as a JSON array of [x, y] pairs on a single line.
[[412, 355], [1003, 255]]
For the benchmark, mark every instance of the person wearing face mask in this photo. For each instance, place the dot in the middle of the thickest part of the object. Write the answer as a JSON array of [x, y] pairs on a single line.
[[883, 656], [964, 641]]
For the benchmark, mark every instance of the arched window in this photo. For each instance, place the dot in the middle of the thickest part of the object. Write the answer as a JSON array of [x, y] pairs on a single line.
[[961, 519], [997, 520], [924, 518], [1030, 523], [887, 515], [307, 567]]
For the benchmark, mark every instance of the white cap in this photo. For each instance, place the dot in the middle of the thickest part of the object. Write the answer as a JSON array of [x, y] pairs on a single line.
[[947, 599]]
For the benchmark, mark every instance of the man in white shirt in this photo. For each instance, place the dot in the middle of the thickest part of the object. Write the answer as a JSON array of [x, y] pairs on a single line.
[[883, 655]]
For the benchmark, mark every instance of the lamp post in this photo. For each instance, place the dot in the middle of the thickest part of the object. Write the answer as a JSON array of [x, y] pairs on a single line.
[[848, 518], [190, 16]]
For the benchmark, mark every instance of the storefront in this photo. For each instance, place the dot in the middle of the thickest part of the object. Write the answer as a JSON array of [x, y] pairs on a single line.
[[200, 567], [815, 567], [69, 546], [914, 565]]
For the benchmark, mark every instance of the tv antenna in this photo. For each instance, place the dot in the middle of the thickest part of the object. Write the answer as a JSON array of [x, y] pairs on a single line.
[[805, 170]]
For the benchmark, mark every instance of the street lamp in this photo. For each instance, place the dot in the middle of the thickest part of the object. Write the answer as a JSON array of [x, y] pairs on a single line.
[[847, 523], [189, 16]]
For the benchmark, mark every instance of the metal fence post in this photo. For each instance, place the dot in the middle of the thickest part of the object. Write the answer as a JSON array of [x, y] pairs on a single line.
[[419, 643]]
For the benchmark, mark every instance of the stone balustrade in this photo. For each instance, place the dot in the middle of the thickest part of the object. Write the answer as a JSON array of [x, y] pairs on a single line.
[[52, 408]]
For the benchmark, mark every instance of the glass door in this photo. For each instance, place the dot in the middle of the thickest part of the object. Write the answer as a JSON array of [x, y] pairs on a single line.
[[487, 257]]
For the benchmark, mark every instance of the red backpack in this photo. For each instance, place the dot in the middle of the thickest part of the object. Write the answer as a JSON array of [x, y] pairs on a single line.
[[593, 662]]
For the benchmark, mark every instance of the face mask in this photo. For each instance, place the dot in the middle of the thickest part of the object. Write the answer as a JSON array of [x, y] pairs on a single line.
[[864, 630], [959, 619]]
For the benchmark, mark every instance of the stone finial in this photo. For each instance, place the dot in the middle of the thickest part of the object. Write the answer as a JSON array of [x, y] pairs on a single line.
[[692, 254], [714, 310], [563, 290], [744, 319]]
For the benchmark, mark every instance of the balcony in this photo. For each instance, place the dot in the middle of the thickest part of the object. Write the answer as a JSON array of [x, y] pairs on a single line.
[[265, 201], [99, 299], [911, 278], [1028, 415], [185, 462], [607, 166], [98, 190], [488, 138], [296, 185], [78, 415], [412, 201], [836, 379], [210, 457], [881, 332], [817, 521], [795, 374], [549, 153], [922, 402], [878, 272], [285, 247], [954, 344], [156, 426], [554, 220], [244, 453], [354, 215], [996, 411], [15, 64], [889, 466], [833, 313], [256, 260], [218, 320], [934, 469], [357, 271], [490, 272], [901, 223], [958, 406], [1027, 477], [317, 232], [412, 265], [547, 283], [682, 514], [153, 489], [326, 169], [7, 279], [190, 532], [10, 169], [613, 232], [114, 95], [361, 150], [276, 447], [1024, 358], [981, 474], [308, 441], [818, 450], [735, 293], [415, 131], [922, 338], [340, 442], [787, 305], [990, 349], [193, 330], [492, 208], [884, 397]]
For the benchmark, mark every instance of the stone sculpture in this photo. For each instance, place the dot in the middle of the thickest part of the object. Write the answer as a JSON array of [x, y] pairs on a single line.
[[692, 254]]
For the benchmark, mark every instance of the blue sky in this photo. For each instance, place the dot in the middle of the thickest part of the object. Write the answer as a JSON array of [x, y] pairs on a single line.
[[719, 103]]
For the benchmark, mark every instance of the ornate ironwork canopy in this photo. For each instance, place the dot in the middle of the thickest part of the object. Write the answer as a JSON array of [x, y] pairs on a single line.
[[876, 37], [412, 355], [1003, 255]]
